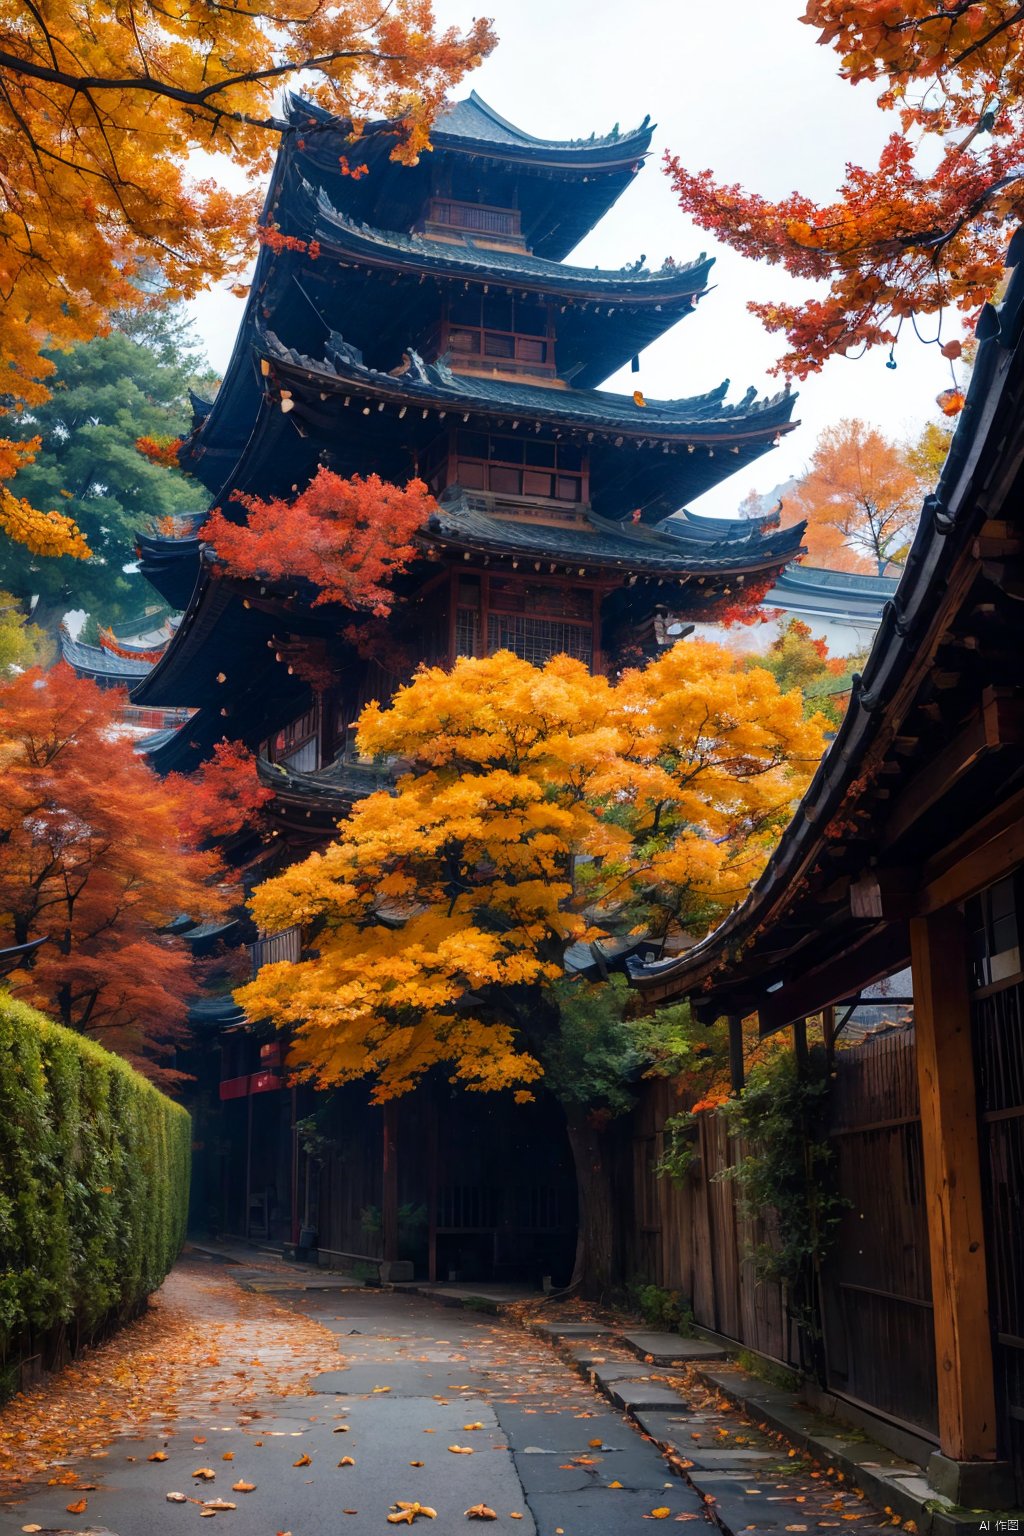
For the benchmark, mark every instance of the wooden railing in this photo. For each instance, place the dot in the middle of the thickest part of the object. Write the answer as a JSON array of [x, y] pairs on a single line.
[[473, 218], [273, 947]]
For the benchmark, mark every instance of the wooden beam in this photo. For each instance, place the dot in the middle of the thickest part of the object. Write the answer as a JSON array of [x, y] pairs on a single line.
[[883, 893], [876, 954], [952, 1171], [989, 852], [998, 722]]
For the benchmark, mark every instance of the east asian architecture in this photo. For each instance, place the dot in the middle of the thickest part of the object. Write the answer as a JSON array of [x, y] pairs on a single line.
[[427, 320]]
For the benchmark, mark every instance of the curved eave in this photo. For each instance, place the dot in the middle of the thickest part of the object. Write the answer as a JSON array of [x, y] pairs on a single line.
[[102, 666], [898, 664], [606, 548], [454, 132], [344, 240], [12, 958], [700, 420]]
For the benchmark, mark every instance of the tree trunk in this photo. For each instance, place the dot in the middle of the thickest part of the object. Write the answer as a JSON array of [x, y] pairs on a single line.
[[595, 1269]]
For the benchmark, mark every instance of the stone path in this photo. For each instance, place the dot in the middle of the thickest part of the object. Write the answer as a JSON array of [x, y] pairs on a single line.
[[335, 1404]]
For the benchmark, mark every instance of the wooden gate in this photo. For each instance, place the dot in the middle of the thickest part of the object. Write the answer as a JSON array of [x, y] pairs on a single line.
[[876, 1292], [998, 1027]]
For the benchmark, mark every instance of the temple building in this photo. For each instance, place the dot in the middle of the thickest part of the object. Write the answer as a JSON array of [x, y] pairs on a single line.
[[423, 320]]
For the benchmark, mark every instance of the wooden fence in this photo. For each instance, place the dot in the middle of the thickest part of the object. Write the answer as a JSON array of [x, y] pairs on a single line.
[[876, 1292]]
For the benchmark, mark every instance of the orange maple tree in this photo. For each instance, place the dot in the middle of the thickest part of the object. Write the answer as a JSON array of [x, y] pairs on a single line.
[[925, 229], [96, 856], [861, 497], [347, 538], [93, 93]]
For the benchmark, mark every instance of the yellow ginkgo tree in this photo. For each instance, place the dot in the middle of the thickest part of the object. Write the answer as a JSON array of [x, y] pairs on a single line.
[[533, 808]]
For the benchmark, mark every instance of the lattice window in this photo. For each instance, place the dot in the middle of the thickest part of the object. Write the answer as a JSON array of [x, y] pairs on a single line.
[[537, 640], [467, 631]]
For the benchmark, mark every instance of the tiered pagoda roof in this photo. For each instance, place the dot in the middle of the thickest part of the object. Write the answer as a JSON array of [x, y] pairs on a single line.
[[563, 187], [349, 356]]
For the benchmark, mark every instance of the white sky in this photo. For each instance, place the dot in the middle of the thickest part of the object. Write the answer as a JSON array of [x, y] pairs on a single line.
[[745, 90]]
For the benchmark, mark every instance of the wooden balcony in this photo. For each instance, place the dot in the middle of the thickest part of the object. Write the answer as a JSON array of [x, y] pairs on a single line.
[[447, 216]]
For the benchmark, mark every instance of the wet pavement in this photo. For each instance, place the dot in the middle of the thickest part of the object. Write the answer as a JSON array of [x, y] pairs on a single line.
[[450, 1410]]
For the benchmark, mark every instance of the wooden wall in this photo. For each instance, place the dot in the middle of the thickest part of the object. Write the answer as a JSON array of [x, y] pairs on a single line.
[[876, 1312]]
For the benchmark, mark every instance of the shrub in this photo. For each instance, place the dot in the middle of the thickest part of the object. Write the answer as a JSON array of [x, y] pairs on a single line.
[[94, 1172], [662, 1309]]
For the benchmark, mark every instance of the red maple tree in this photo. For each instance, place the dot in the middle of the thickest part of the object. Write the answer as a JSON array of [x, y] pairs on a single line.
[[223, 797], [97, 856], [926, 229], [347, 538]]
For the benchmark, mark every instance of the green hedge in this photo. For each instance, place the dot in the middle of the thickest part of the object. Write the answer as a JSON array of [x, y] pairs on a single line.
[[94, 1173]]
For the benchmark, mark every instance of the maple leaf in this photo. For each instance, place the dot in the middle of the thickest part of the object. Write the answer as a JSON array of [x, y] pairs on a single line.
[[481, 1512], [92, 199], [348, 538], [91, 846], [923, 231]]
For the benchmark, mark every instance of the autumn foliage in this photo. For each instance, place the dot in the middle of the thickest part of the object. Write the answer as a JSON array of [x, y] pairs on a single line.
[[926, 229], [223, 797], [861, 497], [534, 806], [95, 858], [91, 200], [348, 538]]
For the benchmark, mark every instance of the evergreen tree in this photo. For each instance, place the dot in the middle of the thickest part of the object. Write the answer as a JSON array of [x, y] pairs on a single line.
[[105, 394]]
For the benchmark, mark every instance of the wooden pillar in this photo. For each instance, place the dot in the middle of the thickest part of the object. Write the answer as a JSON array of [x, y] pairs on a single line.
[[736, 1074], [828, 1029], [800, 1044], [952, 1174], [295, 1169], [247, 1214], [432, 1189], [389, 1197]]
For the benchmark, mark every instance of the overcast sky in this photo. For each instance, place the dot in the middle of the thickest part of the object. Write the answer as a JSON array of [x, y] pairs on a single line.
[[743, 89]]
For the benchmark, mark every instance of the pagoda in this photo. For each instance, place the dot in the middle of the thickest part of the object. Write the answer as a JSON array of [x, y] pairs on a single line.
[[423, 321]]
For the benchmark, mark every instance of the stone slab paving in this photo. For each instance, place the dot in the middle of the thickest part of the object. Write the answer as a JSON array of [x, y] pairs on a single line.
[[663, 1348]]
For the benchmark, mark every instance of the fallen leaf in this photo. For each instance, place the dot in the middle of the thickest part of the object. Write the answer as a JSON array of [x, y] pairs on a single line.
[[241, 1487], [382, 1389], [303, 1461], [342, 1429], [347, 1461], [594, 1444], [474, 1426], [206, 1473], [198, 1439], [616, 1484], [661, 1513], [157, 1456], [79, 1508], [461, 1450], [218, 1504], [177, 1498], [681, 1518], [207, 1514], [415, 1463], [228, 1456], [31, 1527], [481, 1512]]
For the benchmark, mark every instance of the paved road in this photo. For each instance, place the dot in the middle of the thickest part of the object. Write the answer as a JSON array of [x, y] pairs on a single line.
[[540, 1448]]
